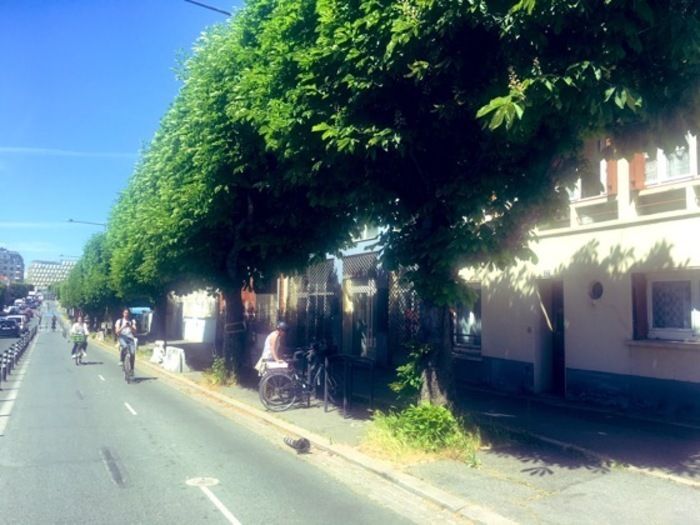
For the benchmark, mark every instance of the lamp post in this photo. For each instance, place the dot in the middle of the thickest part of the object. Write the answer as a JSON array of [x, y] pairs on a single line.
[[88, 222], [211, 8]]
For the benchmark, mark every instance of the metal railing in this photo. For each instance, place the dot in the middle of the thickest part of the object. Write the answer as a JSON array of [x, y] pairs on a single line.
[[10, 358]]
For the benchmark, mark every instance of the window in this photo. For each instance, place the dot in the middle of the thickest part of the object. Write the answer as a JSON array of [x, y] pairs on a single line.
[[678, 162], [666, 305], [466, 328], [681, 163], [592, 181]]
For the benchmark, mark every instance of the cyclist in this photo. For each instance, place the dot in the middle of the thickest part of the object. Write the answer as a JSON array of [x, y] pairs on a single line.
[[125, 329], [53, 323], [79, 332]]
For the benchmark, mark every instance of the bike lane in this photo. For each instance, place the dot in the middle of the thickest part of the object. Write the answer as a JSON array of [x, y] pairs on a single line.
[[83, 446]]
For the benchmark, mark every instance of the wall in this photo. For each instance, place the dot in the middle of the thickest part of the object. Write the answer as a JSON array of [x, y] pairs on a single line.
[[599, 353]]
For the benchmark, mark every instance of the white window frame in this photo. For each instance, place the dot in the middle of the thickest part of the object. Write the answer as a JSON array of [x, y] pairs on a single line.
[[576, 193], [662, 165], [676, 334]]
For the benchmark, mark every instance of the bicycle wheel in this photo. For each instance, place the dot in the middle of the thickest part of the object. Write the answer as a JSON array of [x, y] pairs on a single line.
[[127, 367], [277, 392], [335, 386]]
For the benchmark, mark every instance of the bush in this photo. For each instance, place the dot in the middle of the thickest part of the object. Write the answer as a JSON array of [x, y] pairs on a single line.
[[409, 376], [422, 430], [218, 374]]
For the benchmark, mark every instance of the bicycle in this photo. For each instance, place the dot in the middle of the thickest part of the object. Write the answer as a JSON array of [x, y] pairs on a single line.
[[280, 388], [127, 357], [79, 344]]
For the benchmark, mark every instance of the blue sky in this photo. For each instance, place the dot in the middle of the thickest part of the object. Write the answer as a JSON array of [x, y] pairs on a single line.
[[83, 86]]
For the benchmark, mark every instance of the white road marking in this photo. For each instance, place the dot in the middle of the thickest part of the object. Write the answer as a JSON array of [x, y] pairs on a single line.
[[128, 407], [204, 484], [100, 376], [217, 503]]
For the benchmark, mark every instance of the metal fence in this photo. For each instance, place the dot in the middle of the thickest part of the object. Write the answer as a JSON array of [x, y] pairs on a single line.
[[9, 359]]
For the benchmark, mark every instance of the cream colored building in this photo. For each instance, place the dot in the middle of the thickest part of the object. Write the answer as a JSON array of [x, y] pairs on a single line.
[[610, 313]]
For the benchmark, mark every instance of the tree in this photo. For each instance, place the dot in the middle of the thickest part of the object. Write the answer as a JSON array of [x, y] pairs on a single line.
[[88, 285], [208, 204], [459, 125]]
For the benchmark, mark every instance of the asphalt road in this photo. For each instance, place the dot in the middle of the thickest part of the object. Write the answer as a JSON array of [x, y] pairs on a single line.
[[81, 446]]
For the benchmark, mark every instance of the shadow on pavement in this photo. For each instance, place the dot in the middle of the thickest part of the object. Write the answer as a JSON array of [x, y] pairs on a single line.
[[143, 379], [510, 423]]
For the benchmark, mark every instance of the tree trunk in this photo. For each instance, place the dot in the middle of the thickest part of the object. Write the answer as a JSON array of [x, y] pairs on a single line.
[[161, 317], [438, 379], [234, 332]]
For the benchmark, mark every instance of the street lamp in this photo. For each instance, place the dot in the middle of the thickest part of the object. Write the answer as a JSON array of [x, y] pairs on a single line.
[[88, 222], [211, 8]]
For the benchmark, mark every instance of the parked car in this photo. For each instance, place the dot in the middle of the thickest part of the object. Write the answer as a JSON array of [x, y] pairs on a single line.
[[9, 328], [21, 322]]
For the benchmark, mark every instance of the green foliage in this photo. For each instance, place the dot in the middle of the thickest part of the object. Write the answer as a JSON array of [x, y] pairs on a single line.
[[218, 374], [423, 428], [409, 376], [456, 124], [88, 285]]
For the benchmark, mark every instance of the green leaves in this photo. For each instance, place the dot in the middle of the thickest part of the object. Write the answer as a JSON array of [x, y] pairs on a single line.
[[503, 110], [453, 123]]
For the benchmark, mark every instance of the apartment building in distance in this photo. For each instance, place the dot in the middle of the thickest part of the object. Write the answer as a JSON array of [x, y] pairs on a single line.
[[45, 273], [610, 313], [11, 265]]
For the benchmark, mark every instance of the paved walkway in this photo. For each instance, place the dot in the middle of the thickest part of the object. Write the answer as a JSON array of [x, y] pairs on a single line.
[[660, 446]]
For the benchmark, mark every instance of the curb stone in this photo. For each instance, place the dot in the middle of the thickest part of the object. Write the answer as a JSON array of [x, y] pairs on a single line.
[[416, 486]]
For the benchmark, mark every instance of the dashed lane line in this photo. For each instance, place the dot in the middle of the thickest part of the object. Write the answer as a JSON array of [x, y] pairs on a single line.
[[130, 409]]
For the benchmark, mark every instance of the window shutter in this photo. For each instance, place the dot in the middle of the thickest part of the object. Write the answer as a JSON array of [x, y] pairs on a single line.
[[637, 177], [639, 306], [611, 174]]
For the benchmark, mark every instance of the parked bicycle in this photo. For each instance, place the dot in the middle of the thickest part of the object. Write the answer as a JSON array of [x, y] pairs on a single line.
[[305, 375]]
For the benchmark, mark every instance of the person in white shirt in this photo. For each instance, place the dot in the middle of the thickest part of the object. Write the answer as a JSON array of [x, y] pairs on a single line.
[[125, 329], [273, 344], [79, 332]]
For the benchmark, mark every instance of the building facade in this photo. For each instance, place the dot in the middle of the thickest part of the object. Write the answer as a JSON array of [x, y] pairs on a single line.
[[45, 273], [610, 313], [11, 265]]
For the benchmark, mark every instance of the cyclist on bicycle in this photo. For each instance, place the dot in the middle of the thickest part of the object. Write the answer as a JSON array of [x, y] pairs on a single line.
[[53, 322], [79, 332], [125, 328]]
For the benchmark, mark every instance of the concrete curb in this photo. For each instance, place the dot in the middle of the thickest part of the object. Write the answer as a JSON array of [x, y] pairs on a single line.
[[416, 486]]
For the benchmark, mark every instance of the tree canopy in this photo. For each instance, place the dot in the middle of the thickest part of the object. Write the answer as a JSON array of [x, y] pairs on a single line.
[[88, 285], [456, 124]]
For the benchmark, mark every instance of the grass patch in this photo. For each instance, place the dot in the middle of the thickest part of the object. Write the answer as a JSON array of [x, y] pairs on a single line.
[[419, 433], [218, 374]]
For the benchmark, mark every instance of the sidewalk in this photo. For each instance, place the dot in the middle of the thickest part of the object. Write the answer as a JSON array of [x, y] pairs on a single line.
[[655, 446], [541, 454]]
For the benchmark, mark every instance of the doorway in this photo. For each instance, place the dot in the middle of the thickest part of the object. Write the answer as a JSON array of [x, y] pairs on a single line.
[[558, 351]]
